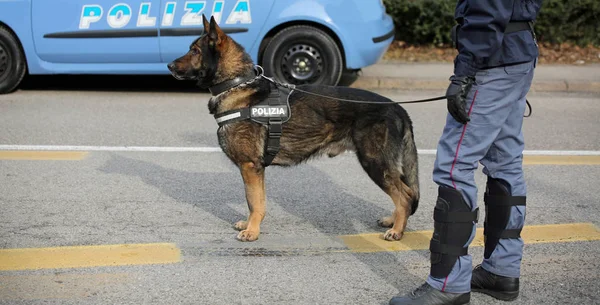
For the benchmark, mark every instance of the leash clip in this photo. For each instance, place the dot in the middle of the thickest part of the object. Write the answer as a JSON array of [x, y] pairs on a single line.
[[261, 73], [259, 70]]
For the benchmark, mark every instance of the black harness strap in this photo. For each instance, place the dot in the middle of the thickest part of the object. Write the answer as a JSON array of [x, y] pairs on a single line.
[[232, 116], [271, 112], [452, 217], [491, 200], [274, 128], [444, 216], [505, 200], [509, 233], [437, 247]]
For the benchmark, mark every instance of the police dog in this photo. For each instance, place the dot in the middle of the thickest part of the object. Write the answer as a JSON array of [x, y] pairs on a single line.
[[380, 133]]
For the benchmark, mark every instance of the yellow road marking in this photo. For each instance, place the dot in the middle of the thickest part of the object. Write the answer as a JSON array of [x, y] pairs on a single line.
[[561, 160], [61, 286], [79, 155], [42, 155], [419, 240], [88, 256]]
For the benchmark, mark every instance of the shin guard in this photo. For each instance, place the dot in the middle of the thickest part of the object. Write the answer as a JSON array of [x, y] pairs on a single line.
[[498, 205], [453, 226]]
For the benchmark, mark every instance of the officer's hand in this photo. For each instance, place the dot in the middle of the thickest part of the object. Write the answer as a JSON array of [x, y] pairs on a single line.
[[457, 97]]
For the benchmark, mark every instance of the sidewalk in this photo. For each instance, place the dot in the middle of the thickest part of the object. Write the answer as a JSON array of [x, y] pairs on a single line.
[[434, 76]]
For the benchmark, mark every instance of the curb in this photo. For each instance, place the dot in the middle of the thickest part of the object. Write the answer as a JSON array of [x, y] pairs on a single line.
[[372, 82]]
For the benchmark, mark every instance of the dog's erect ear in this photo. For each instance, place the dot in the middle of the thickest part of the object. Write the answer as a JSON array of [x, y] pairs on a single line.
[[215, 34], [206, 24]]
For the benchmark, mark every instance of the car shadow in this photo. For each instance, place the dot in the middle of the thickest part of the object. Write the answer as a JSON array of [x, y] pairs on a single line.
[[110, 83], [125, 83]]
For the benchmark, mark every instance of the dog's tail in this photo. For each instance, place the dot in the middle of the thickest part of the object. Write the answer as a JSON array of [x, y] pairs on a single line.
[[410, 167]]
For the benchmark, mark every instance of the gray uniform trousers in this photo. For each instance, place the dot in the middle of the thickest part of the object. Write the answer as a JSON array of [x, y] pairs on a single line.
[[493, 137]]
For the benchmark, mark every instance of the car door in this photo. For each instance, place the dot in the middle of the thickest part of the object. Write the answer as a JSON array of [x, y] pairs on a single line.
[[181, 22], [96, 31]]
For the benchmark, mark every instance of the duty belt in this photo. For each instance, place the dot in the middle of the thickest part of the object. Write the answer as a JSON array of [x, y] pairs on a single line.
[[271, 112], [513, 26]]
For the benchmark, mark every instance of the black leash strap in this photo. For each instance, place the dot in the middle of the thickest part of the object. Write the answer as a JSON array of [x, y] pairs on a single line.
[[403, 102], [373, 102], [293, 87], [530, 109]]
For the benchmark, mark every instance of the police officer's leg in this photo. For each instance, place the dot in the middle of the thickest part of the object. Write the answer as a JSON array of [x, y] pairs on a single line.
[[459, 151], [504, 199]]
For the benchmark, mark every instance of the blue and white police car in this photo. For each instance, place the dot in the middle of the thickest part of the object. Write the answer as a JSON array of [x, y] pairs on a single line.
[[296, 41]]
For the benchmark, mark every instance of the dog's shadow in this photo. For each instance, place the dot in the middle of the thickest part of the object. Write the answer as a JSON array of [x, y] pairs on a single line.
[[306, 193]]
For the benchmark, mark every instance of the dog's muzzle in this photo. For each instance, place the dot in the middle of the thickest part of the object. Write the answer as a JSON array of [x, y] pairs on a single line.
[[180, 75], [171, 66], [173, 69]]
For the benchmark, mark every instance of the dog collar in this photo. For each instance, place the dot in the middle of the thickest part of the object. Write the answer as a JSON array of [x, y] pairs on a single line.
[[230, 84]]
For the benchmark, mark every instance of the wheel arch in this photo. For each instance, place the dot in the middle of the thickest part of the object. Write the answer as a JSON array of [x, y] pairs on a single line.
[[273, 31], [18, 39]]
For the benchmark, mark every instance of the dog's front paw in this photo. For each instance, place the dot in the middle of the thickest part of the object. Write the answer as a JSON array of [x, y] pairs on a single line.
[[241, 225], [386, 222], [247, 235], [392, 235]]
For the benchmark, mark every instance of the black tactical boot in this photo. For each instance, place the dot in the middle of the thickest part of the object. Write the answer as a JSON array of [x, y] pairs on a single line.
[[427, 295], [500, 287]]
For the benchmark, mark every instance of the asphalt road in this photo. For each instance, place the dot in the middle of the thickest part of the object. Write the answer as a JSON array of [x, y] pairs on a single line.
[[191, 200]]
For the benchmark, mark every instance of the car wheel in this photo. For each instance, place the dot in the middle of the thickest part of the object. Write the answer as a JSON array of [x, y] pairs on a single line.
[[303, 55], [12, 62]]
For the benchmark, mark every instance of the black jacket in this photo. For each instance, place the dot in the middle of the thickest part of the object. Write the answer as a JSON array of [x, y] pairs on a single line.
[[481, 40]]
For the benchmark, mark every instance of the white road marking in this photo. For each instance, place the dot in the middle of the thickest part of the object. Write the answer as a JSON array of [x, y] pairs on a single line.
[[218, 149]]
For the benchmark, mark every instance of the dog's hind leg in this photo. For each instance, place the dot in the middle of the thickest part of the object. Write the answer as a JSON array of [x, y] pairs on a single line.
[[254, 183], [381, 160], [401, 197], [388, 179], [397, 190]]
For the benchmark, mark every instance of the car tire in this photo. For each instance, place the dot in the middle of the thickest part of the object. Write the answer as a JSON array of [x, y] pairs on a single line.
[[303, 55], [12, 62]]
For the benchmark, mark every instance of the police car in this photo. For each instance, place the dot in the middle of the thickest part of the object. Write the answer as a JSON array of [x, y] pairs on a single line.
[[296, 41]]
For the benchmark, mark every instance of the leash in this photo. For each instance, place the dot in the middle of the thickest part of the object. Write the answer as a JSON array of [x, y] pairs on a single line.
[[530, 109], [293, 87], [373, 102]]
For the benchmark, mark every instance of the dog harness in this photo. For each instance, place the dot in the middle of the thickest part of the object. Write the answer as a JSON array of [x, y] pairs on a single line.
[[271, 113]]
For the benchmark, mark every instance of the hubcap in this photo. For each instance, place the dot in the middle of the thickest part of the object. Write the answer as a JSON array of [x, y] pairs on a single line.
[[3, 60], [301, 63]]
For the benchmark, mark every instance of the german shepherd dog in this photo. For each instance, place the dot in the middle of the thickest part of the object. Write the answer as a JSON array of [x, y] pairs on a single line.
[[380, 134]]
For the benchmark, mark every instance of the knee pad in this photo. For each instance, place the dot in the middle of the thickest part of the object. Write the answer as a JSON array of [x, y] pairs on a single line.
[[453, 226], [498, 205]]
